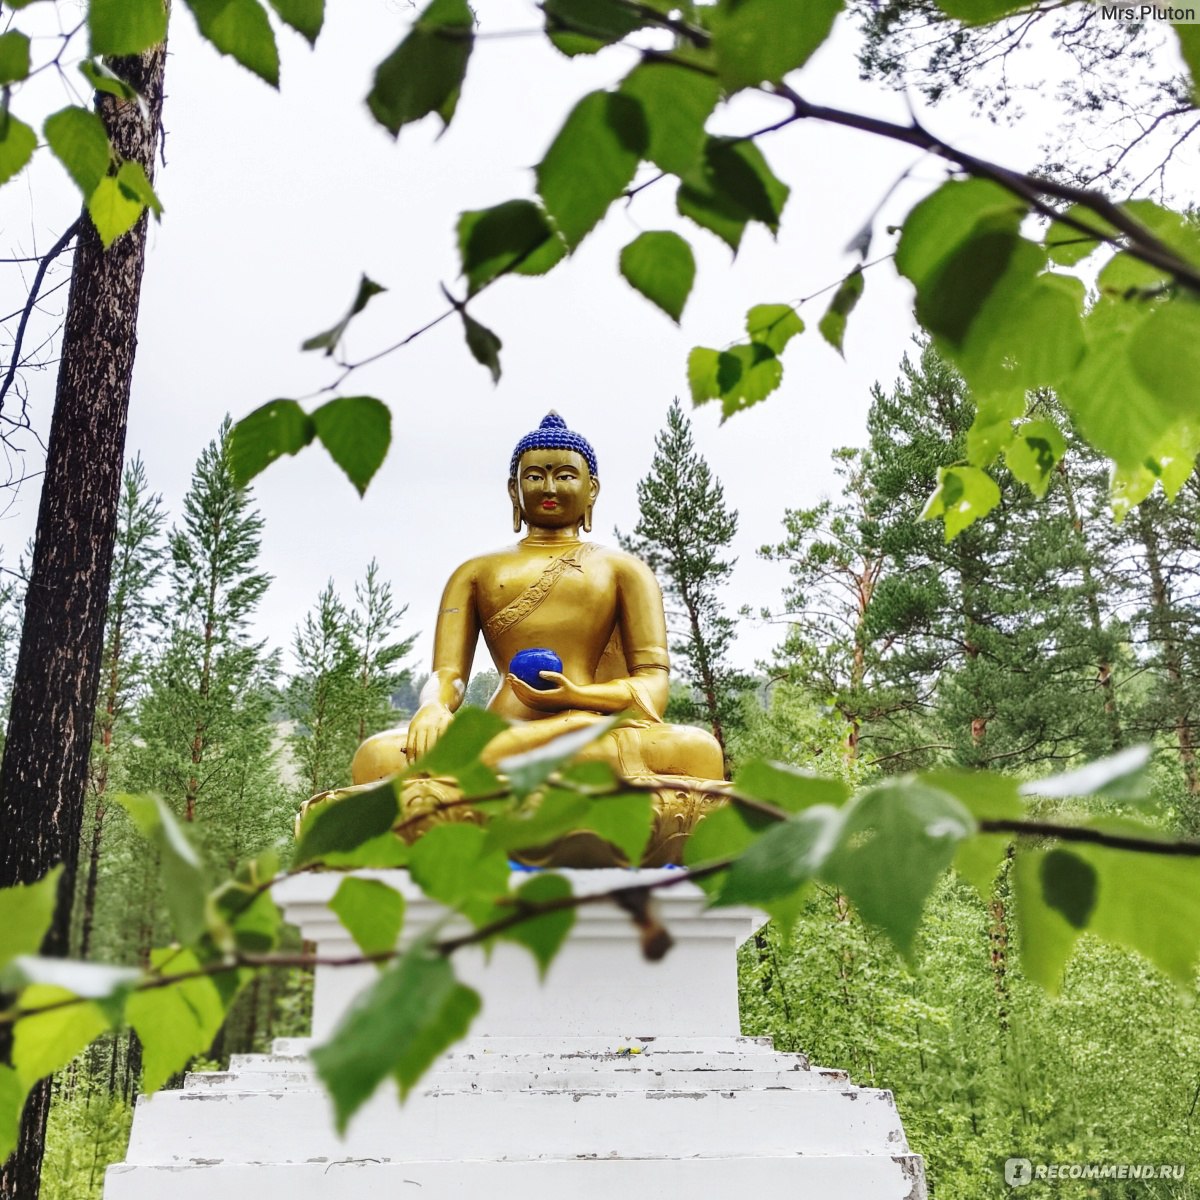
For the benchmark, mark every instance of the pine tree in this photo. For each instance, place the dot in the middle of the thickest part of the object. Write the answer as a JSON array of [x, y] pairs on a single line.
[[406, 699], [1160, 573], [374, 622], [1083, 486], [138, 561], [321, 695], [348, 670], [482, 687], [834, 573], [206, 719], [1000, 665], [682, 533]]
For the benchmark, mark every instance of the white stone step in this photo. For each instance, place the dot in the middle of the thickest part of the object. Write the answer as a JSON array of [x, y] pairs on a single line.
[[292, 1048], [293, 1125], [490, 1064], [493, 1054], [554, 1074], [245, 1065], [814, 1177]]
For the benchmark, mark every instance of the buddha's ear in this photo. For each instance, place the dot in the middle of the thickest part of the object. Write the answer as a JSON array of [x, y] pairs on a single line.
[[514, 495], [593, 487]]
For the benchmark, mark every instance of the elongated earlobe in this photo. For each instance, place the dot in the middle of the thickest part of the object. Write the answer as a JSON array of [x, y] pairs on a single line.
[[516, 518], [587, 519]]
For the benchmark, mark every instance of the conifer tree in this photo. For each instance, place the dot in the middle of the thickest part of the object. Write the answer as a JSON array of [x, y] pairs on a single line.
[[482, 687], [960, 651], [1000, 664], [1082, 479], [374, 622], [138, 561], [834, 573], [321, 695], [206, 719], [348, 670], [683, 533], [406, 699], [1162, 579]]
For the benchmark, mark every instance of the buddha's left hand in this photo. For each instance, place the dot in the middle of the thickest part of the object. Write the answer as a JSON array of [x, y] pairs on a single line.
[[564, 693]]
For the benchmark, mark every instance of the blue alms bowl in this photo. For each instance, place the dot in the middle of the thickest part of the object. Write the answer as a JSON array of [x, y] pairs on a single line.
[[526, 664]]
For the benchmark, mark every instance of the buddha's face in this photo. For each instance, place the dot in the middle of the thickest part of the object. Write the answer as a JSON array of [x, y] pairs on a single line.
[[553, 488]]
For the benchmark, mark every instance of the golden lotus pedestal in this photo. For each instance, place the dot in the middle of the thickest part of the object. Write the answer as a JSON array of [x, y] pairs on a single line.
[[679, 804]]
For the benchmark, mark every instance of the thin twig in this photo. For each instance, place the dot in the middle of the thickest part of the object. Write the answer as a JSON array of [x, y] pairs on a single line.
[[1093, 837], [47, 259], [1142, 244]]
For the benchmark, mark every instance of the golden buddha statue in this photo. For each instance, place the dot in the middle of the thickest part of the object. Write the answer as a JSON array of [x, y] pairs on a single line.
[[600, 612]]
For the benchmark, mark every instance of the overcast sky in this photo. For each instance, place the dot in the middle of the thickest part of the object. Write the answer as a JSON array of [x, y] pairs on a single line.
[[276, 202]]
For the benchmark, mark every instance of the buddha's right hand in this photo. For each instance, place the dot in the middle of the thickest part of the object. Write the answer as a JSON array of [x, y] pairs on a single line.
[[428, 724]]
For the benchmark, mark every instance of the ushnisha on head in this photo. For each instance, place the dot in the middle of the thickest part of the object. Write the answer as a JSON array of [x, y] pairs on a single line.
[[553, 479], [553, 434]]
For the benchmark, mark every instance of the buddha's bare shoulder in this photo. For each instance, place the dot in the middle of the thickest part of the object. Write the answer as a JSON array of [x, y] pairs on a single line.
[[627, 567], [469, 572], [489, 560]]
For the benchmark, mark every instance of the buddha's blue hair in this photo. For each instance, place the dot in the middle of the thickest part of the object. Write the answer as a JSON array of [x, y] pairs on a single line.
[[553, 434]]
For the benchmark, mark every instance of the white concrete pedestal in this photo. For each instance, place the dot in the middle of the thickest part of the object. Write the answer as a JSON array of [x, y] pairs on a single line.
[[615, 1078]]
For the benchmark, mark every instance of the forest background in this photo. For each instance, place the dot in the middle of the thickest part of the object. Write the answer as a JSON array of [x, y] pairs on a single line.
[[902, 652], [1043, 636]]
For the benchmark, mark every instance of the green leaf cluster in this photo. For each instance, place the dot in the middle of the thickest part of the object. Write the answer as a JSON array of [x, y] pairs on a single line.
[[587, 26], [425, 73], [356, 430], [1013, 325], [885, 848], [176, 1007], [115, 193], [414, 1011], [745, 374]]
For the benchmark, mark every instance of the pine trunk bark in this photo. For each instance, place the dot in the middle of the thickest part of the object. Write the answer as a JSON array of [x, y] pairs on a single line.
[[1162, 631], [112, 690], [88, 921], [704, 668], [43, 779], [968, 570], [865, 580], [1091, 593]]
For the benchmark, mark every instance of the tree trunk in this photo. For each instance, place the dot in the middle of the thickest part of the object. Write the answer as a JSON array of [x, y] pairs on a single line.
[[707, 683], [1091, 592], [968, 568], [199, 737], [100, 787], [1163, 632], [93, 877], [44, 774], [864, 588]]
